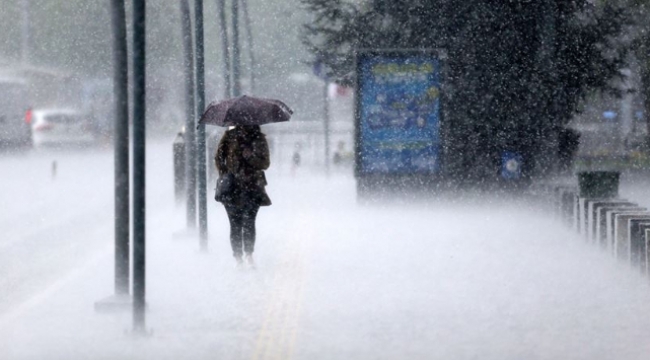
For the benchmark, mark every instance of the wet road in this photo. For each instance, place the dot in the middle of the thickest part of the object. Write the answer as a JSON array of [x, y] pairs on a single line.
[[451, 278]]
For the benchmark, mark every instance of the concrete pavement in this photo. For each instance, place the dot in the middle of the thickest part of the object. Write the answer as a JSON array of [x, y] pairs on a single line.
[[480, 278]]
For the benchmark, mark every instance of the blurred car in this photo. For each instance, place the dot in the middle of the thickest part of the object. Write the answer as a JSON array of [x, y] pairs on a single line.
[[60, 127], [14, 103]]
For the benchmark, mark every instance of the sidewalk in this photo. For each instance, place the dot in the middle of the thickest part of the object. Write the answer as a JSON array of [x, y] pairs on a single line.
[[336, 280]]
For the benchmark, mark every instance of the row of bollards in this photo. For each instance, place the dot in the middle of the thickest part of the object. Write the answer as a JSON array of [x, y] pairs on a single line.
[[600, 217]]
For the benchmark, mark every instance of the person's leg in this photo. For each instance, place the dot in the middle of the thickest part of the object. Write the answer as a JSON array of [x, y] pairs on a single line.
[[235, 216], [248, 219]]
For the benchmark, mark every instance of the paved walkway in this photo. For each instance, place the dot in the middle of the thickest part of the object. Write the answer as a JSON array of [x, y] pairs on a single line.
[[482, 279]]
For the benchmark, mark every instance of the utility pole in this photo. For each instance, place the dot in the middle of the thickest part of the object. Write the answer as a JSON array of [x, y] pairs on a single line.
[[139, 149], [326, 125], [225, 48], [200, 107], [249, 42], [319, 69], [236, 56], [121, 145], [190, 116], [121, 299]]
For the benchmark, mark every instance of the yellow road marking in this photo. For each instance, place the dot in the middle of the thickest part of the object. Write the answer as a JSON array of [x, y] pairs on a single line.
[[278, 335]]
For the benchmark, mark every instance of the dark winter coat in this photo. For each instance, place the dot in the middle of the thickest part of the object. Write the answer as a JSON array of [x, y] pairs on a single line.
[[245, 154]]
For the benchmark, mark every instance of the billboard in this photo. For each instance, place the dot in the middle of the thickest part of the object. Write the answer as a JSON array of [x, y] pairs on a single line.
[[398, 113]]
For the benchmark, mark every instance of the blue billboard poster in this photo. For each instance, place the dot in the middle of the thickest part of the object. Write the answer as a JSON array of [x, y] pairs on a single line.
[[398, 110]]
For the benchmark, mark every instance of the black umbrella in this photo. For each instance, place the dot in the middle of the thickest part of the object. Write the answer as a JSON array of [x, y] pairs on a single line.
[[246, 110]]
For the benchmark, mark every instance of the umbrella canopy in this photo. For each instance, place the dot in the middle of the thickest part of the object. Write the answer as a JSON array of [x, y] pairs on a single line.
[[246, 110]]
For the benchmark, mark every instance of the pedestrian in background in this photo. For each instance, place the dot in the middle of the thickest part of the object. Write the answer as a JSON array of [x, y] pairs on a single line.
[[244, 152], [295, 159]]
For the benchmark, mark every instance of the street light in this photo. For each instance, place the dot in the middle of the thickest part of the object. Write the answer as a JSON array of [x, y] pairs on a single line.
[[121, 144], [190, 115], [121, 298], [236, 55], [139, 219], [223, 30], [200, 132]]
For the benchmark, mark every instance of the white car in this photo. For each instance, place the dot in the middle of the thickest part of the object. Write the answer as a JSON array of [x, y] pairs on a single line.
[[61, 127]]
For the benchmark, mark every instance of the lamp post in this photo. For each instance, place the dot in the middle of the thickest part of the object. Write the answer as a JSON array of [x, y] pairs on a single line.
[[190, 116], [249, 42], [121, 144], [236, 55], [139, 113], [120, 299], [326, 126], [223, 30], [200, 135]]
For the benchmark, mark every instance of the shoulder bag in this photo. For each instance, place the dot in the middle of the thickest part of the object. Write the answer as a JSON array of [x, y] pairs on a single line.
[[225, 187]]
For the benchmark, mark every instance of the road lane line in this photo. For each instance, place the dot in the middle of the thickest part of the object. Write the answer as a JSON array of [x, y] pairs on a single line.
[[300, 299], [279, 332], [291, 317], [265, 337], [273, 346]]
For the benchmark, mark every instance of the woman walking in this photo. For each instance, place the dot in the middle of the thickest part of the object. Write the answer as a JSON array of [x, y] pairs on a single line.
[[244, 152]]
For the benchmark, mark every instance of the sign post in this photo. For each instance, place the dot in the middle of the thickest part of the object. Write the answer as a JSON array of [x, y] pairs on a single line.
[[139, 150], [200, 131], [121, 299], [320, 72], [121, 143]]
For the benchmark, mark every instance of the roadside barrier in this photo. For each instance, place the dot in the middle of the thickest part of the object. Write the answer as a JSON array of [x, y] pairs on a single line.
[[593, 209], [600, 236], [612, 219], [592, 216], [638, 243], [621, 235]]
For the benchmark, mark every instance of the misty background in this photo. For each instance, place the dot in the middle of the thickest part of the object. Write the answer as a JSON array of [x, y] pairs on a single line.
[[73, 40], [470, 274]]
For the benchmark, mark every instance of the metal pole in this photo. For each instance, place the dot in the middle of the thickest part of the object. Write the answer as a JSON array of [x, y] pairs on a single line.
[[249, 41], [190, 134], [236, 56], [225, 48], [139, 116], [326, 123], [200, 135], [25, 32], [121, 144]]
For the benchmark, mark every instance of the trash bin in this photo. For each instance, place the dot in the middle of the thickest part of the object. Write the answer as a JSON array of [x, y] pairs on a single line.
[[598, 184], [178, 150]]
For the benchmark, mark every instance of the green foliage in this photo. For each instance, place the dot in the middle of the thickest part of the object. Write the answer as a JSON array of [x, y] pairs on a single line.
[[518, 70]]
